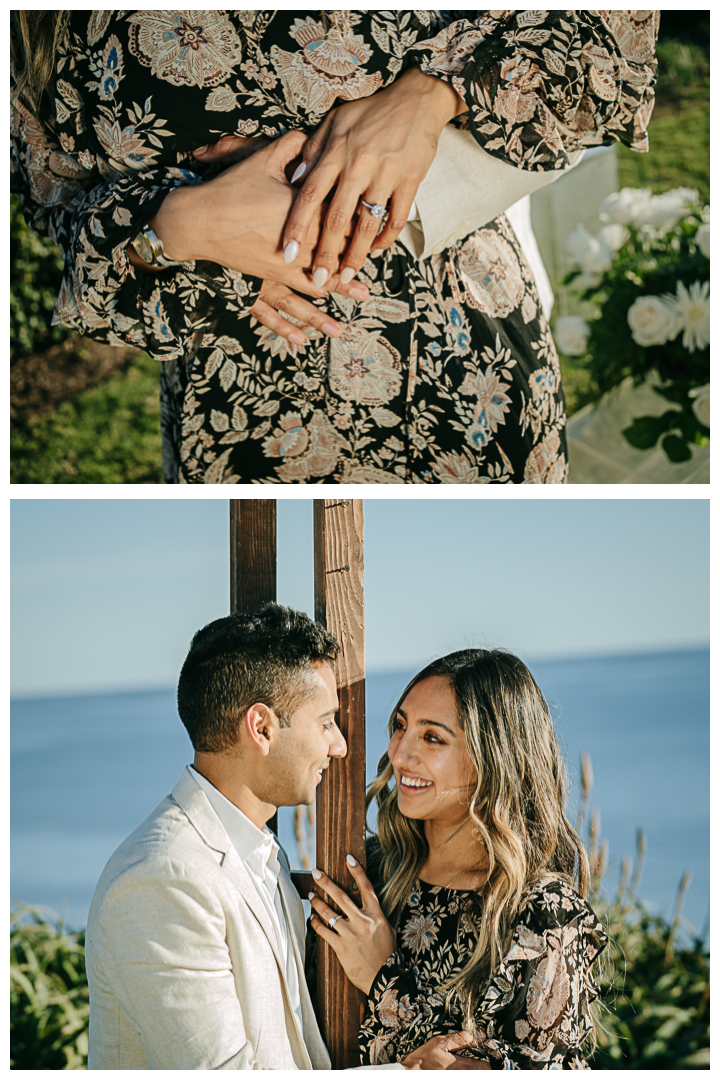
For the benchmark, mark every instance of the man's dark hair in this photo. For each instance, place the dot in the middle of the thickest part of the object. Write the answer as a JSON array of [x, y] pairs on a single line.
[[260, 656]]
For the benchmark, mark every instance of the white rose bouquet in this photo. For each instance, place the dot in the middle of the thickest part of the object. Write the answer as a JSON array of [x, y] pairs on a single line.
[[648, 273]]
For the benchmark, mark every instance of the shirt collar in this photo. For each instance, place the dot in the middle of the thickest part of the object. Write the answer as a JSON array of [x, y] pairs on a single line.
[[257, 847]]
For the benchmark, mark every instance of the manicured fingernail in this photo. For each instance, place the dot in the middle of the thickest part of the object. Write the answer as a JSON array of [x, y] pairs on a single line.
[[331, 329], [351, 860], [311, 896], [290, 252], [316, 874], [377, 251], [347, 275], [296, 338], [201, 149], [320, 277], [358, 294], [298, 172]]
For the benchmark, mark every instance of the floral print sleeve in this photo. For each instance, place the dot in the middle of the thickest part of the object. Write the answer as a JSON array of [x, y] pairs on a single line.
[[92, 207], [542, 84], [532, 1014]]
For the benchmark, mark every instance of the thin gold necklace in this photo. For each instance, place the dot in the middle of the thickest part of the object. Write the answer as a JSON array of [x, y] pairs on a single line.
[[467, 871]]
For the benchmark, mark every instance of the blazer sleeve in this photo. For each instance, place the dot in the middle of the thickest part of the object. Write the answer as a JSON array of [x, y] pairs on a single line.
[[93, 220], [160, 942], [542, 84]]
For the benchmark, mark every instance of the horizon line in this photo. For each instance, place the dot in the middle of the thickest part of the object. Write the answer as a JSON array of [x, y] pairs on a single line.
[[370, 671]]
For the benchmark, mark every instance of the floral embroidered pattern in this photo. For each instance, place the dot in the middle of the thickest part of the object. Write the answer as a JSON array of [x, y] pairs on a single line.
[[533, 1012], [448, 373], [193, 48]]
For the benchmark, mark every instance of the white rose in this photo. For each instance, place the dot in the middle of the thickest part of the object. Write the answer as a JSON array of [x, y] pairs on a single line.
[[576, 244], [614, 236], [662, 212], [701, 404], [652, 321], [571, 334], [702, 239], [597, 258], [622, 207]]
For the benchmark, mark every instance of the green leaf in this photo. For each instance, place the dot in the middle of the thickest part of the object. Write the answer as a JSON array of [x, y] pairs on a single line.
[[678, 394], [645, 431], [676, 448]]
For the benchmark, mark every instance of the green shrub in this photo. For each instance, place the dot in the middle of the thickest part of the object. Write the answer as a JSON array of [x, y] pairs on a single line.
[[49, 1000], [36, 268]]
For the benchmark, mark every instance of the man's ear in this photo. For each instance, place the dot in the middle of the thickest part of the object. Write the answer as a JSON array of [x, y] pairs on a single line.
[[262, 727]]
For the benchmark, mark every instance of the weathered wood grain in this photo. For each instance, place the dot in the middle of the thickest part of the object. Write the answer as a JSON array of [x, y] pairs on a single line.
[[339, 605]]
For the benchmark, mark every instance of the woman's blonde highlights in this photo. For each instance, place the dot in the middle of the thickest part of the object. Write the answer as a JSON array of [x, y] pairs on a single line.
[[34, 40], [517, 808]]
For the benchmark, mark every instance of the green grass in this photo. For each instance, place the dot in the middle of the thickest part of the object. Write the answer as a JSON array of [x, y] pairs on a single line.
[[679, 153], [109, 434]]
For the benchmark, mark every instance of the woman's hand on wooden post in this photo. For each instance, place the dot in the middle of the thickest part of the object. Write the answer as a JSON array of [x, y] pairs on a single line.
[[377, 149], [363, 939]]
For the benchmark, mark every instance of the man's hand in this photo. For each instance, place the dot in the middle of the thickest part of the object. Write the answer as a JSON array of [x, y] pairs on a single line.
[[237, 220], [438, 1053]]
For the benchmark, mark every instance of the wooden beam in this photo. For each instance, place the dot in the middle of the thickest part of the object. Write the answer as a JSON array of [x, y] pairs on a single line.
[[253, 560], [339, 605], [253, 553]]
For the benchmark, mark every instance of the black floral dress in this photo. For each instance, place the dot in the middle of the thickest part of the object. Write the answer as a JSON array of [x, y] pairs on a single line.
[[533, 1012], [448, 372]]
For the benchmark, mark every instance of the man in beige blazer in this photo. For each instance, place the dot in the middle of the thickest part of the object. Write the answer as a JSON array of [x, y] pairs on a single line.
[[195, 936]]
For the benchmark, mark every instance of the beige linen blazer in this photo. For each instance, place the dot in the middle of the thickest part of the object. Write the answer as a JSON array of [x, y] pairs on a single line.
[[464, 189], [182, 965]]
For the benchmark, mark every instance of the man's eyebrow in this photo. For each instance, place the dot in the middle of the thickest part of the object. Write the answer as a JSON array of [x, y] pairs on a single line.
[[433, 723], [330, 712]]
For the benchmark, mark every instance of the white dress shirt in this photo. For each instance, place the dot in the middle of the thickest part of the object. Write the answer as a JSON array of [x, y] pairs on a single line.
[[258, 849]]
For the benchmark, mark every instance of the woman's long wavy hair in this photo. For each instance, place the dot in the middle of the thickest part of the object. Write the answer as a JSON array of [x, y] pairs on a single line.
[[517, 807], [34, 40]]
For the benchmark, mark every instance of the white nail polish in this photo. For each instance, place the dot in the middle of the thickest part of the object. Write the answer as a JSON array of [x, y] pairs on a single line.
[[290, 252], [316, 874], [350, 859], [311, 896], [320, 277], [347, 275], [298, 172]]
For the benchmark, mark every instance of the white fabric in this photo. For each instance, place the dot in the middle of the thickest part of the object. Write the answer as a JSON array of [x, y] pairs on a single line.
[[183, 964], [259, 850], [464, 189]]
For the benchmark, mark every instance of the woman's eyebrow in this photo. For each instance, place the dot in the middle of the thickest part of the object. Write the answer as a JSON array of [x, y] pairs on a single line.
[[434, 723]]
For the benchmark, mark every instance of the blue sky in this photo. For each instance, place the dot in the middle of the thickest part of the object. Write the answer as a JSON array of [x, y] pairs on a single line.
[[106, 593]]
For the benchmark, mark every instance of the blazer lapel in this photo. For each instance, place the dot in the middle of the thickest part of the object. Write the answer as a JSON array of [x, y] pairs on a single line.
[[203, 818]]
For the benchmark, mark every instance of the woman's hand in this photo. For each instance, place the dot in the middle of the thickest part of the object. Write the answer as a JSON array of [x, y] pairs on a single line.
[[364, 939], [277, 300], [377, 149], [437, 1053], [237, 219]]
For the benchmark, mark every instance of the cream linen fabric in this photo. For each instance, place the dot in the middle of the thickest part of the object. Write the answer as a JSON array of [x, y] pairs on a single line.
[[465, 188], [182, 972], [260, 852]]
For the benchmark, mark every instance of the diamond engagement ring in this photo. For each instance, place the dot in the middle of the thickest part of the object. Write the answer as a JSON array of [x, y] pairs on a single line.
[[376, 210], [336, 918]]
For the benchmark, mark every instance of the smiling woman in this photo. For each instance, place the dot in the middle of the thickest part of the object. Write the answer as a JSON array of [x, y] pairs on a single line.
[[482, 923]]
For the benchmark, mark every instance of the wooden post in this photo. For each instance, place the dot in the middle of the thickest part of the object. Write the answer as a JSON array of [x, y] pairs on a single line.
[[253, 553], [339, 605], [253, 560]]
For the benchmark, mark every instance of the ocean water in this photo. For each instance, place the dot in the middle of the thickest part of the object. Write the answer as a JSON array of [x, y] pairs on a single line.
[[86, 770]]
